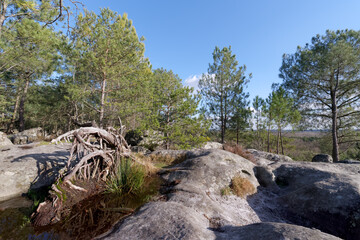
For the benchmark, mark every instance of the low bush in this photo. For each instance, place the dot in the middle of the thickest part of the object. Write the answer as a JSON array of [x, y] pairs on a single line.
[[238, 149], [242, 186]]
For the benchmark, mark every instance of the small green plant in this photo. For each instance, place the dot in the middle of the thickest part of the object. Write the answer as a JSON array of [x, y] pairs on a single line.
[[38, 196], [128, 178], [225, 191]]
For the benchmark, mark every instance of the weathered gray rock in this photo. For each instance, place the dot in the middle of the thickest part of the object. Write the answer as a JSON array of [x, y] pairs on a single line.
[[194, 202], [269, 156], [323, 195], [265, 176], [140, 149], [195, 209], [349, 161], [272, 231], [4, 140], [322, 158], [30, 166], [27, 136], [212, 145], [152, 139], [164, 220]]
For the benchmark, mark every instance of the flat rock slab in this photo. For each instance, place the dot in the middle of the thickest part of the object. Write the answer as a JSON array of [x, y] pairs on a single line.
[[30, 166]]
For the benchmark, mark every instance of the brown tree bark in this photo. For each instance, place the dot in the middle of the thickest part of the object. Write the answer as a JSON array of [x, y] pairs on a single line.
[[22, 104]]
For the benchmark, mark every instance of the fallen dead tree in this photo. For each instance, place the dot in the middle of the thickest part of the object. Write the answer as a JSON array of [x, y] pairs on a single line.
[[94, 155]]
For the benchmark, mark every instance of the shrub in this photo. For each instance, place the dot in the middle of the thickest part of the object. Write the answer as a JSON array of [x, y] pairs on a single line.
[[129, 178], [242, 186], [238, 149]]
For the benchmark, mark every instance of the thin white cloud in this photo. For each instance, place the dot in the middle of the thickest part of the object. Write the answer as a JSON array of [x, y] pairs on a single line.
[[193, 81]]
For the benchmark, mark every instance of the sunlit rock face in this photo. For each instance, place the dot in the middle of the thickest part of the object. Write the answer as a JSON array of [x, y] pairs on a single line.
[[295, 200]]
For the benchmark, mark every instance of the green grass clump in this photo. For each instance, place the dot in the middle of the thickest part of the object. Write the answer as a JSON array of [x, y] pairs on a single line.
[[128, 178], [225, 191]]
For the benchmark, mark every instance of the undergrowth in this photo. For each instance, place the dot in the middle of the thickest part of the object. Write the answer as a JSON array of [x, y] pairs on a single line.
[[242, 186], [128, 178], [239, 150]]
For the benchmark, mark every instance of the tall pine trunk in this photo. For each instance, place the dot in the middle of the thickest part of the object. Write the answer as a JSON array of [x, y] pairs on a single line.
[[22, 104], [335, 149], [278, 142], [102, 103], [281, 142], [16, 109]]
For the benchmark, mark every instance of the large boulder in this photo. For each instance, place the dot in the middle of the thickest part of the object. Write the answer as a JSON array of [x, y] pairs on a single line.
[[195, 209], [272, 231], [30, 166], [212, 145], [27, 136], [149, 139], [321, 195], [322, 158], [4, 140], [269, 156]]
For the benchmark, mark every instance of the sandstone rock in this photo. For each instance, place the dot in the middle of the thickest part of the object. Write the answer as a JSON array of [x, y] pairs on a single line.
[[27, 167], [163, 220], [149, 139], [27, 136], [195, 209], [269, 156], [265, 176], [323, 195], [349, 161], [4, 140], [140, 149], [212, 145], [322, 158], [272, 231], [194, 202]]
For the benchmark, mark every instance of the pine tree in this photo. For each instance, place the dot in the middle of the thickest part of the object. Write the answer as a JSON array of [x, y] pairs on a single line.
[[177, 110], [223, 89]]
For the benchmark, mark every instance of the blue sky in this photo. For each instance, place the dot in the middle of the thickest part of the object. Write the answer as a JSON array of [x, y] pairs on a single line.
[[181, 35]]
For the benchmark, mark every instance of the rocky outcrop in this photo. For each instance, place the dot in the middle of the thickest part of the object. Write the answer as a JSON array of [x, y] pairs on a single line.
[[195, 209], [321, 195], [322, 158], [151, 140], [27, 136], [30, 166], [269, 156], [4, 140], [272, 231], [212, 145]]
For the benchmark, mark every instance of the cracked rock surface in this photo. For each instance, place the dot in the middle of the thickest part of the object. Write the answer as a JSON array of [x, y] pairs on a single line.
[[302, 202]]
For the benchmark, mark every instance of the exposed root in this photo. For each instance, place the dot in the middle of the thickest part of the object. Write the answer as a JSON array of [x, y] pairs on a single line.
[[94, 155]]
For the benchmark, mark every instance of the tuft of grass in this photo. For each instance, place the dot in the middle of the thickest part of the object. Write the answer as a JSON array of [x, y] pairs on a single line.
[[225, 191], [42, 143], [239, 150], [156, 161], [129, 178], [242, 186]]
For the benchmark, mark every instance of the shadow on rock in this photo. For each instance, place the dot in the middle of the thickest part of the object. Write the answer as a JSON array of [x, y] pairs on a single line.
[[271, 231], [49, 166]]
